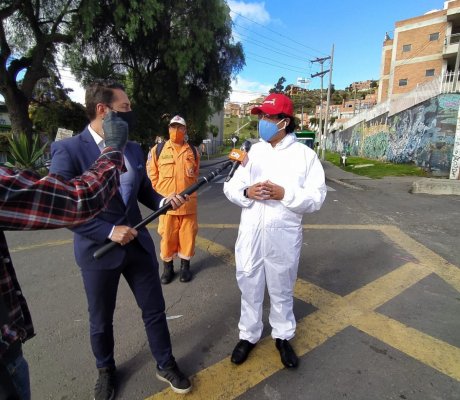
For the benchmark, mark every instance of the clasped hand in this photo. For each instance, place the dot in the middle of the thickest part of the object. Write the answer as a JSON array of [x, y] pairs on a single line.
[[265, 191]]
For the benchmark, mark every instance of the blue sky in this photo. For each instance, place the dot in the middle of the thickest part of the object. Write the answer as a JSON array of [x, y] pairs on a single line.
[[280, 37]]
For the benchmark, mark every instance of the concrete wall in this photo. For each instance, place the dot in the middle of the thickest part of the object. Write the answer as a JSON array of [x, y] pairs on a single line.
[[423, 134]]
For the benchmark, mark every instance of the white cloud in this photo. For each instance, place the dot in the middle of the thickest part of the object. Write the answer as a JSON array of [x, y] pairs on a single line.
[[254, 11], [244, 91]]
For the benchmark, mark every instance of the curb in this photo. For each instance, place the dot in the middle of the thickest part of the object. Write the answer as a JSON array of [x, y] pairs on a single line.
[[436, 186], [348, 185]]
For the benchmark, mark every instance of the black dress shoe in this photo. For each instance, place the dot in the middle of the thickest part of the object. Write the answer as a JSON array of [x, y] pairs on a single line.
[[241, 351], [288, 356]]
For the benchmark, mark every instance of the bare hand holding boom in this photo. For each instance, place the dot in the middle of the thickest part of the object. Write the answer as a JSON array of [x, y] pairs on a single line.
[[166, 207]]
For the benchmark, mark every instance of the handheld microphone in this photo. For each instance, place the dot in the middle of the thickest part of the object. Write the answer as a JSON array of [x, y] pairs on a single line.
[[240, 157]]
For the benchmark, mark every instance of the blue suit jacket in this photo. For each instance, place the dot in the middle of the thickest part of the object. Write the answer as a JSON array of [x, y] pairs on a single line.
[[72, 157]]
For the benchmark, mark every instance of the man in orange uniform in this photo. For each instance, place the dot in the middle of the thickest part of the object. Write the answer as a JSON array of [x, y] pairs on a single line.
[[172, 167]]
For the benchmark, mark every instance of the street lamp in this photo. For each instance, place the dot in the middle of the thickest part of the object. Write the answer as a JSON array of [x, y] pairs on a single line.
[[305, 82]]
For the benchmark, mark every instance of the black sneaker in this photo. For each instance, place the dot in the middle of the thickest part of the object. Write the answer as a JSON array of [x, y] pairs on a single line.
[[105, 385], [177, 380]]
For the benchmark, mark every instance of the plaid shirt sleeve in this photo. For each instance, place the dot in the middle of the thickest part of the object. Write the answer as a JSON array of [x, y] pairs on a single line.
[[28, 202]]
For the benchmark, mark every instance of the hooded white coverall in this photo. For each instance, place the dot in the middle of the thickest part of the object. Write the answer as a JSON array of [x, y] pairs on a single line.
[[270, 233]]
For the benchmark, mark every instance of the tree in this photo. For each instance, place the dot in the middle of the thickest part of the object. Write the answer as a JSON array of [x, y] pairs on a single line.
[[175, 56], [278, 88], [30, 34], [214, 130], [102, 67], [48, 116]]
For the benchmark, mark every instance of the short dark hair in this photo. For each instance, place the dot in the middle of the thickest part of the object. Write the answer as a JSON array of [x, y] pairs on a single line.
[[99, 91], [291, 127]]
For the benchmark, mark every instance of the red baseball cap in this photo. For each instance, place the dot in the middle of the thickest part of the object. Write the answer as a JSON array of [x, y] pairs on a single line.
[[275, 103]]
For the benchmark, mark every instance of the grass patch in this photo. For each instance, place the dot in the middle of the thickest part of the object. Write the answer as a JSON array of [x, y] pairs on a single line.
[[379, 169], [249, 130]]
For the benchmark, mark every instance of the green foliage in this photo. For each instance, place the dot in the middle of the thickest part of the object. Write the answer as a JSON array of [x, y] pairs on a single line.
[[4, 141], [26, 155], [49, 116], [375, 169], [176, 57], [102, 67], [248, 132], [374, 84], [279, 86], [214, 130], [31, 32]]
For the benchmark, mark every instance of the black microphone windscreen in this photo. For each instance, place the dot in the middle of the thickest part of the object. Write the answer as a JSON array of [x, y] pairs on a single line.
[[246, 145]]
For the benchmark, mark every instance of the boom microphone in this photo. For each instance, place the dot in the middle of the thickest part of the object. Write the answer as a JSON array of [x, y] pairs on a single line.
[[165, 208], [240, 157]]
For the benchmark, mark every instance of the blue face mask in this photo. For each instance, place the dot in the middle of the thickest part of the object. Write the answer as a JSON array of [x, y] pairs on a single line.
[[268, 129]]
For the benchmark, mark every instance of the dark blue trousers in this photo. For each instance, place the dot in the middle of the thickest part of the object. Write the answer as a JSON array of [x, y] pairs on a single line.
[[140, 270]]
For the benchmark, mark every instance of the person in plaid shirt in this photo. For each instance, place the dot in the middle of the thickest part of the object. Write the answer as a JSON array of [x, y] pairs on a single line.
[[27, 203]]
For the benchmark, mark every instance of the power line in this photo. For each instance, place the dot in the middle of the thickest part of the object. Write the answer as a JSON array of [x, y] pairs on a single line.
[[267, 37], [277, 33], [263, 45], [299, 71], [271, 60]]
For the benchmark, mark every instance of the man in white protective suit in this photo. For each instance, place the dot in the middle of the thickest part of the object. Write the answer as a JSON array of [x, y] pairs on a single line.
[[282, 180]]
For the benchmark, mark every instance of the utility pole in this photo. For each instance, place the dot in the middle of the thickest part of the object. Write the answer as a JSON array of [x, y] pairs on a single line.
[[323, 148], [305, 82], [321, 74]]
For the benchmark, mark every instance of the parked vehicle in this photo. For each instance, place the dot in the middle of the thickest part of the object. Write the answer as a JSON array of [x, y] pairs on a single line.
[[306, 137]]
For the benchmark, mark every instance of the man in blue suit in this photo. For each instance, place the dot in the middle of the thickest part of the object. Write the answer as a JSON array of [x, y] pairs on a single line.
[[134, 259]]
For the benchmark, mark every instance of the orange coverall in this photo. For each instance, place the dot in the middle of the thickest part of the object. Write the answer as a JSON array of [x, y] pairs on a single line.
[[173, 172]]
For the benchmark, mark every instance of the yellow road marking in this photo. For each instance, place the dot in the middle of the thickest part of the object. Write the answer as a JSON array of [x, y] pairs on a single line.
[[226, 381], [39, 245], [424, 348], [216, 250]]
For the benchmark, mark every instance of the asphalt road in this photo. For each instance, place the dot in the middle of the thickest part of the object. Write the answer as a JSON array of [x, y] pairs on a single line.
[[377, 304]]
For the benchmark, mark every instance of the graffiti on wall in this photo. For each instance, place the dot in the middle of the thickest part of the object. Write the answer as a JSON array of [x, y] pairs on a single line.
[[455, 166], [423, 134]]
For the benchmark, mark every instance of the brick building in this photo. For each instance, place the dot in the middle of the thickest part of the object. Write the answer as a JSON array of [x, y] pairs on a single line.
[[232, 110], [422, 47], [361, 85], [348, 109]]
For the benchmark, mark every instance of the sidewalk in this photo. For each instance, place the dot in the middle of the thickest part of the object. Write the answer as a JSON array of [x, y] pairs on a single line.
[[212, 162], [434, 186]]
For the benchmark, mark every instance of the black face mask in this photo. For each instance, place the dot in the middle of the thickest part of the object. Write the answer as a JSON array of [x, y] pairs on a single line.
[[129, 118]]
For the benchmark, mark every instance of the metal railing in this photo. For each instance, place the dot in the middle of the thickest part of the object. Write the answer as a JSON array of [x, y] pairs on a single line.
[[452, 39], [444, 83], [367, 115]]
